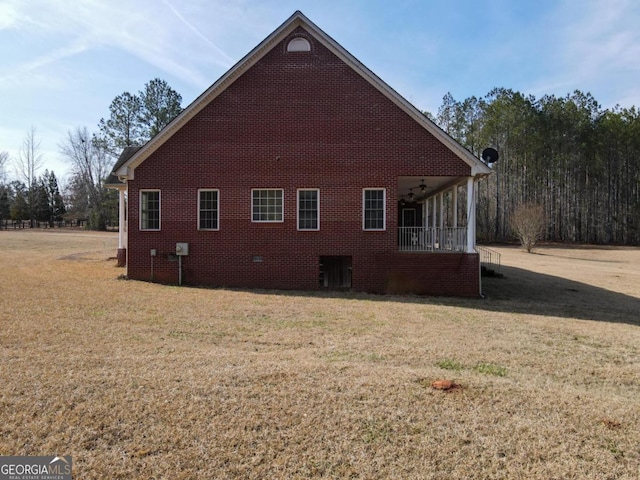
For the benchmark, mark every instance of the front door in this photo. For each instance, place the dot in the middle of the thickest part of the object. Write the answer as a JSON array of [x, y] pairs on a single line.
[[409, 217]]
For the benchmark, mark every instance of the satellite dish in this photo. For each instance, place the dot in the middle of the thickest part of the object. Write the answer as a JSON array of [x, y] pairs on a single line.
[[490, 155]]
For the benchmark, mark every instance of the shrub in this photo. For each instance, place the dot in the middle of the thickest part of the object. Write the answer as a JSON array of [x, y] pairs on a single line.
[[529, 224]]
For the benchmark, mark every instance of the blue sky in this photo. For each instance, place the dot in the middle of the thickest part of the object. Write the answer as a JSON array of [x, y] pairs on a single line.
[[62, 62]]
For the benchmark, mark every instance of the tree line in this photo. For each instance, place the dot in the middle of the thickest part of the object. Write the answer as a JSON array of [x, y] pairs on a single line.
[[579, 162], [40, 201], [133, 119]]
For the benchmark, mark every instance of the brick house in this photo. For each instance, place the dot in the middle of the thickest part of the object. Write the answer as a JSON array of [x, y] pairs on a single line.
[[301, 169]]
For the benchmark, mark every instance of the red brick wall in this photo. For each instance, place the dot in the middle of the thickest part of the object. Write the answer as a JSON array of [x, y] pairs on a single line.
[[453, 274], [293, 120]]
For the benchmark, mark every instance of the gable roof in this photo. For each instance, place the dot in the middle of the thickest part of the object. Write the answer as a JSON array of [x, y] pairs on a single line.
[[112, 180], [125, 169]]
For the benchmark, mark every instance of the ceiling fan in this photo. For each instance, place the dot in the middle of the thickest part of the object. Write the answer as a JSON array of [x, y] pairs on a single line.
[[412, 197]]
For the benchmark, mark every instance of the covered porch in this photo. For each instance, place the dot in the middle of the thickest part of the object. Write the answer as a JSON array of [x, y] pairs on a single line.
[[114, 183], [436, 214]]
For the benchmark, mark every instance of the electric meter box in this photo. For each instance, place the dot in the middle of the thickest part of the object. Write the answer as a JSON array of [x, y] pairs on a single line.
[[182, 249]]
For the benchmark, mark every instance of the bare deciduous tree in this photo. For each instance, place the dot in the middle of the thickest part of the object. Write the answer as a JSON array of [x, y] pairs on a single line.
[[4, 159], [90, 164], [529, 224], [28, 163], [29, 158]]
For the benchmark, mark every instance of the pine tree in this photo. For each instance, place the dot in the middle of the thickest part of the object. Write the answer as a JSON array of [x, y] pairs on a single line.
[[134, 119], [159, 105], [5, 211], [19, 209], [56, 202]]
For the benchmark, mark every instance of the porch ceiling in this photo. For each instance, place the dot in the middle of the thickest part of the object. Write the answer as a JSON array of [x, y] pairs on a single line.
[[434, 185]]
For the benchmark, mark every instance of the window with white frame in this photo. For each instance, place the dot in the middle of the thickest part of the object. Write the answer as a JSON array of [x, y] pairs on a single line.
[[208, 209], [308, 209], [149, 209], [267, 205], [373, 209]]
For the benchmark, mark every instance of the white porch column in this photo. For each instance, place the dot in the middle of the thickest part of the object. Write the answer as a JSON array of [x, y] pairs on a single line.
[[434, 220], [122, 227], [441, 198], [454, 202], [121, 221], [425, 213], [471, 216]]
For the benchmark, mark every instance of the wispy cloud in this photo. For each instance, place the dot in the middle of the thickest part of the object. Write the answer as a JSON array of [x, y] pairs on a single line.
[[601, 38], [157, 34], [8, 16], [229, 61], [26, 72], [596, 47]]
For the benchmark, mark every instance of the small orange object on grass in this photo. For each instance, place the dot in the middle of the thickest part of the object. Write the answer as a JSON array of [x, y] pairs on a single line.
[[445, 385]]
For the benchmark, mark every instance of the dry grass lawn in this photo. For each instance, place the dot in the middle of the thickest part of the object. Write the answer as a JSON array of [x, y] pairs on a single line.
[[138, 380]]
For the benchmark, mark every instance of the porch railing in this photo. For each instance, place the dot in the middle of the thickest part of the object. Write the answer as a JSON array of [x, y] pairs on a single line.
[[489, 258], [423, 239]]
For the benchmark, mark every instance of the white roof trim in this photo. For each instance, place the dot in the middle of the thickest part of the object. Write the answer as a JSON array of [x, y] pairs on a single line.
[[126, 171]]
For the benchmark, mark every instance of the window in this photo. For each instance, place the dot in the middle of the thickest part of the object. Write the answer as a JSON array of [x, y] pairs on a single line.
[[208, 210], [299, 45], [266, 205], [373, 209], [149, 209], [308, 209]]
